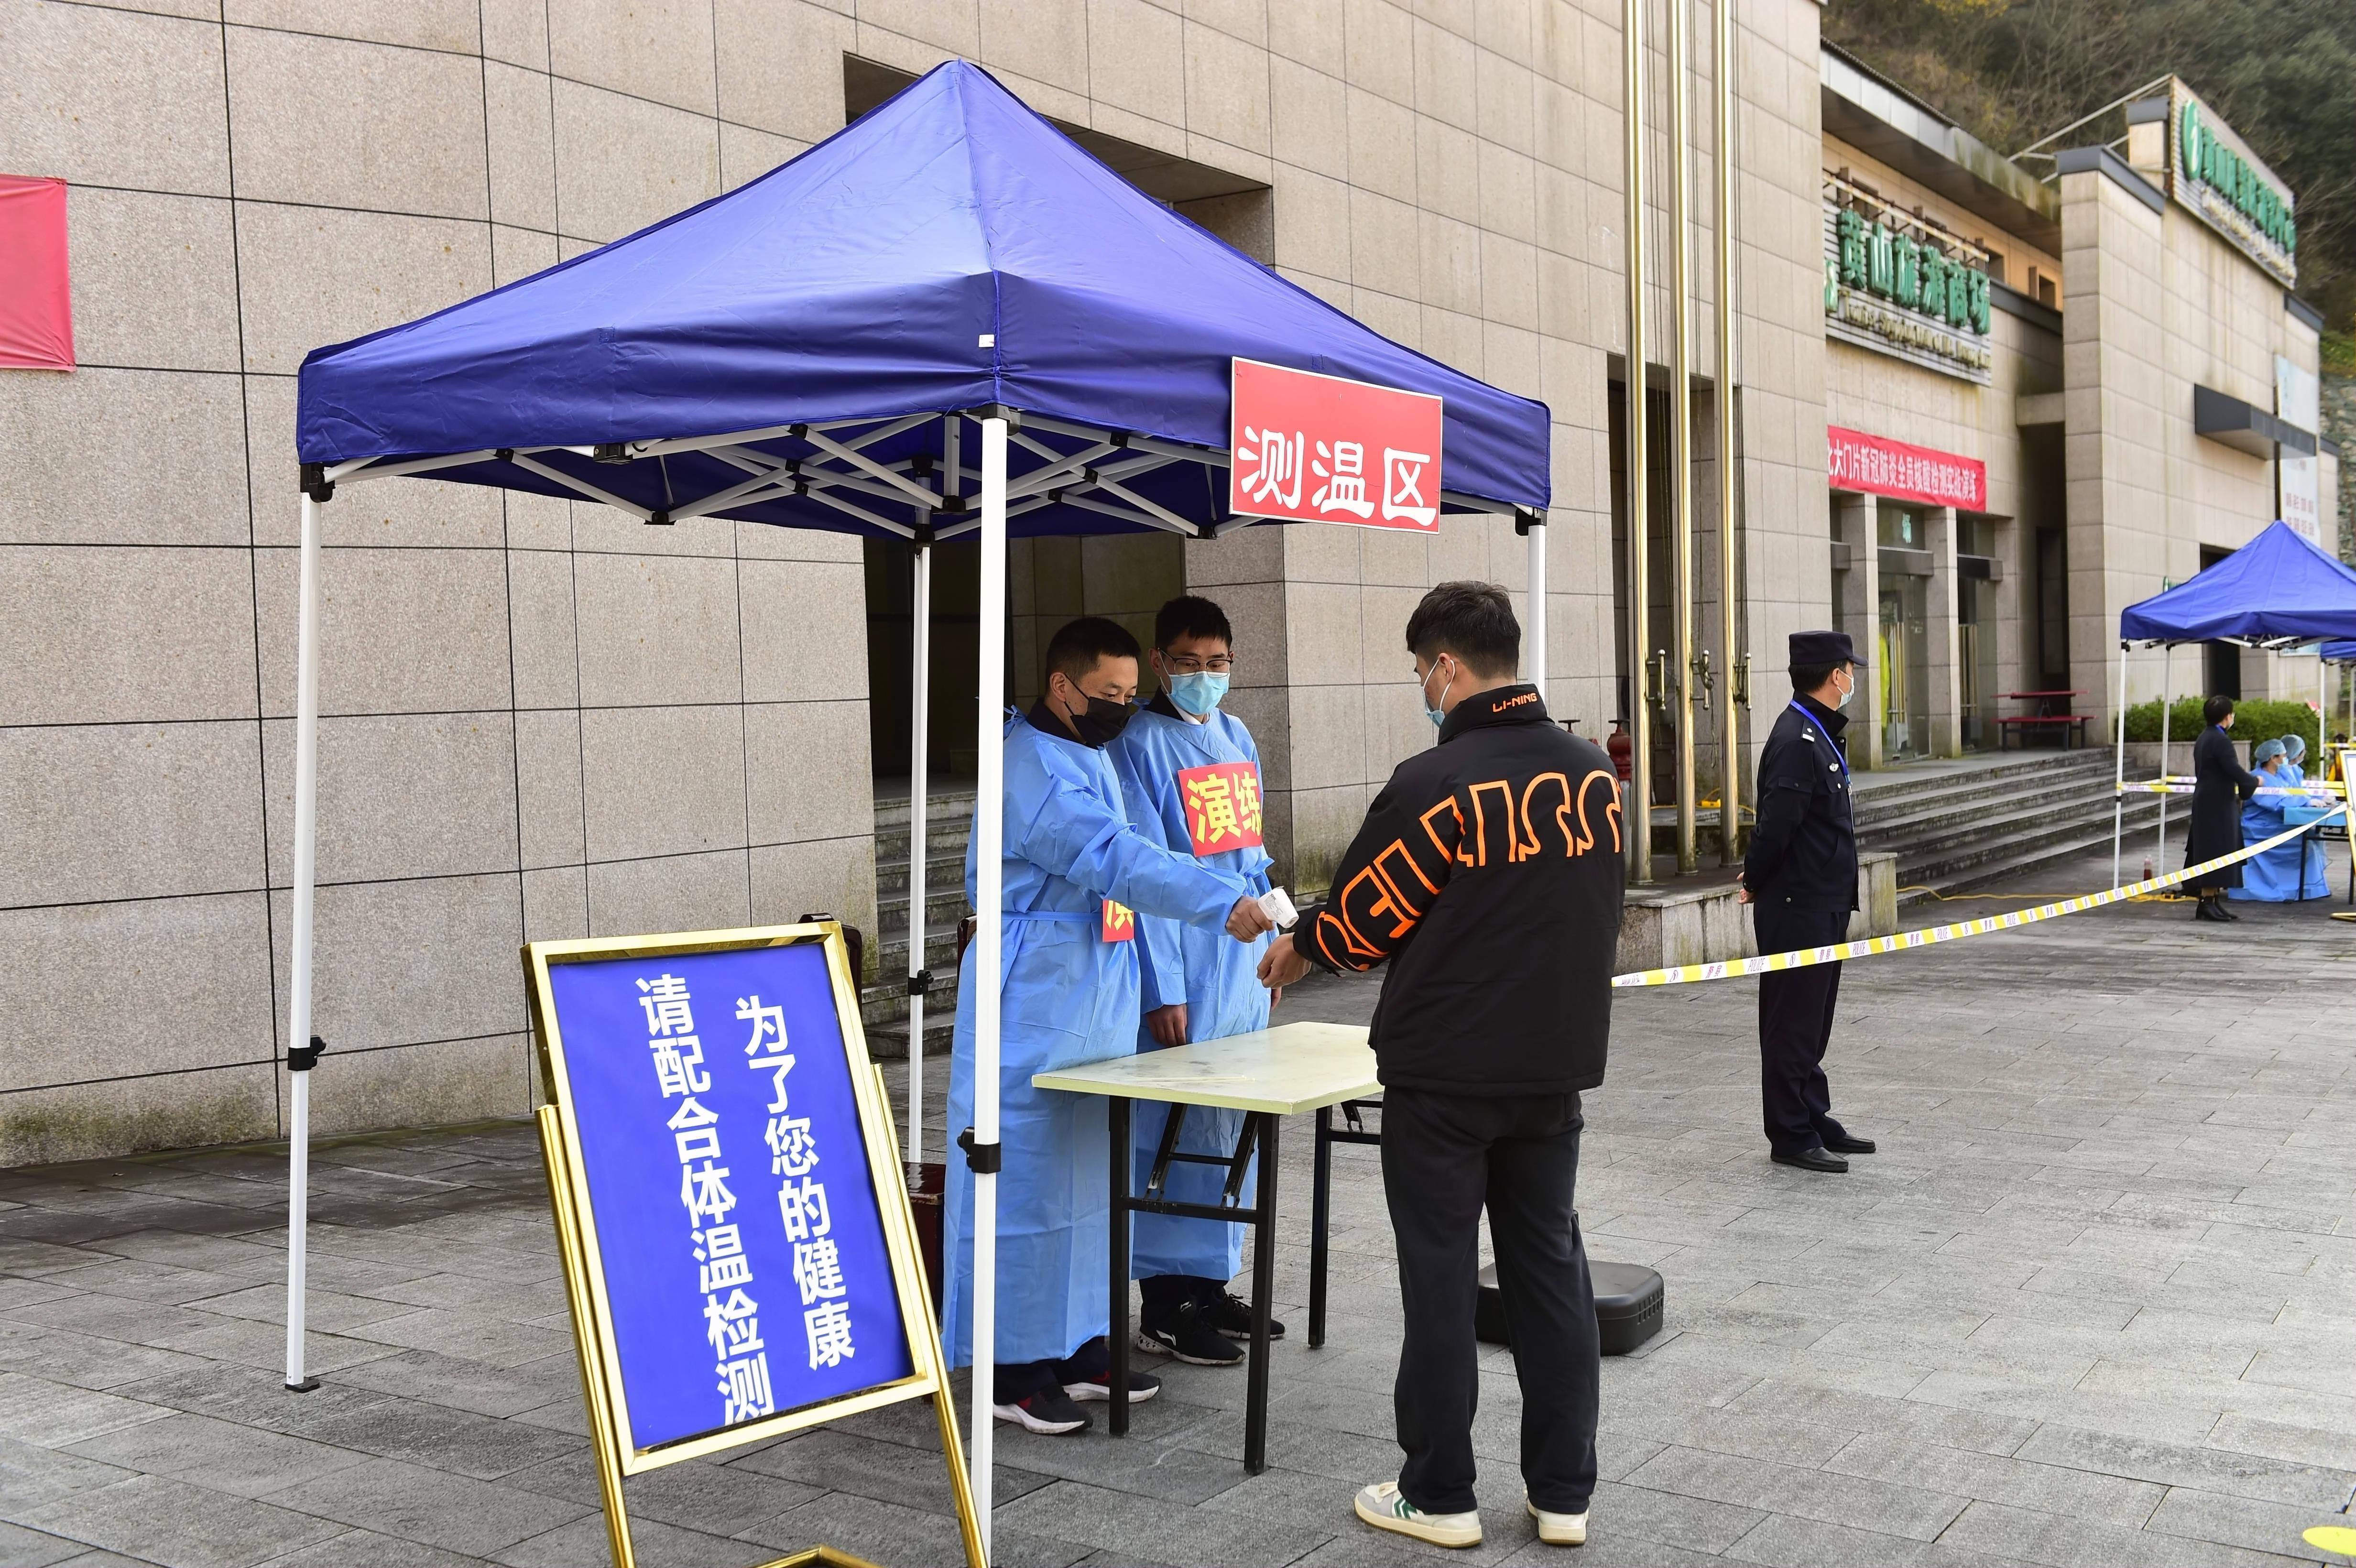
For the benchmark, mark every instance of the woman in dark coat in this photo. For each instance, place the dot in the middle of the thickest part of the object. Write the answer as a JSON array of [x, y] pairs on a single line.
[[2220, 786]]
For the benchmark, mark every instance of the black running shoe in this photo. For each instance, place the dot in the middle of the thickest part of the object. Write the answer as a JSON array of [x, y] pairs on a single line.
[[1050, 1411], [1095, 1388], [1231, 1315], [1187, 1332]]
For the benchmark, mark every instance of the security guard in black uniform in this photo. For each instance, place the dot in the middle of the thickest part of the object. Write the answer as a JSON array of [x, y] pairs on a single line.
[[1800, 879]]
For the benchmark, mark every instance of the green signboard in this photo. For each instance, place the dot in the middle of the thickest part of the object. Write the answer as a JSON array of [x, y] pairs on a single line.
[[2214, 173], [1894, 285]]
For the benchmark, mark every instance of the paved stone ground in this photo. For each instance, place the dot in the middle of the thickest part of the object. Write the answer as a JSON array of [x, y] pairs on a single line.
[[2092, 1306]]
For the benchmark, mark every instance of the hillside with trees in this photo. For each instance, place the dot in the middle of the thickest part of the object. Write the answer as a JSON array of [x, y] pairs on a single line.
[[2282, 72]]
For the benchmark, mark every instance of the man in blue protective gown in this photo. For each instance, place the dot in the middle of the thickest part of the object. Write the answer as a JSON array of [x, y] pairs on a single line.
[[1191, 775], [1069, 994]]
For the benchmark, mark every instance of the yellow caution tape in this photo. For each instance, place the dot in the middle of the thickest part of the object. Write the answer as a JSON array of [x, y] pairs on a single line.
[[2182, 786], [1904, 941]]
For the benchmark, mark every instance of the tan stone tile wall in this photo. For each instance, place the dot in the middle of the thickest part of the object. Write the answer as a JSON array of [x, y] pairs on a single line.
[[543, 719]]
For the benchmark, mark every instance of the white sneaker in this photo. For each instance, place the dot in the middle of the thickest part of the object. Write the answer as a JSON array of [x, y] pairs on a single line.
[[1381, 1506], [1558, 1529]]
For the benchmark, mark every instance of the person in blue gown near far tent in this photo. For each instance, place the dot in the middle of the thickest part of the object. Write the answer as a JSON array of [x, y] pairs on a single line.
[[2288, 872], [1191, 775]]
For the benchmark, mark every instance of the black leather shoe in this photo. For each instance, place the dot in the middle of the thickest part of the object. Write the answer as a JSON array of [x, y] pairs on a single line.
[[1816, 1159], [1844, 1143]]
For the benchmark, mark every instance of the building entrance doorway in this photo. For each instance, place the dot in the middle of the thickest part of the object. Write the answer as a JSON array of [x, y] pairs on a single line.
[[1903, 643]]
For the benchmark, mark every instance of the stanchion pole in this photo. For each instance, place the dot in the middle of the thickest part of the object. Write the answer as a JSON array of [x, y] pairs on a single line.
[[988, 837], [1681, 533], [1729, 788], [1638, 815], [2167, 676], [1534, 631], [919, 777], [301, 1051], [2119, 772]]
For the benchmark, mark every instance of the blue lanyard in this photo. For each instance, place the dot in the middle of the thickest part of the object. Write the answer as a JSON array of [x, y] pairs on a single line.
[[1794, 706]]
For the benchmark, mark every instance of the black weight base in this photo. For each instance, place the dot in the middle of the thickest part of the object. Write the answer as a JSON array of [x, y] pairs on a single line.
[[1628, 1300]]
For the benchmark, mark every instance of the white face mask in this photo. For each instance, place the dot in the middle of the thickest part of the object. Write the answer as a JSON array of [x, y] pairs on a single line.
[[1432, 710], [1848, 694]]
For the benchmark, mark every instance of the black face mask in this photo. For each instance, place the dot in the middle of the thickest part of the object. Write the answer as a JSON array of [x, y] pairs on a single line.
[[1104, 719]]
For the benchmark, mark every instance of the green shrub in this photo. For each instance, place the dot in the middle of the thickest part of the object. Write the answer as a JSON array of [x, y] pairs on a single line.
[[2254, 720]]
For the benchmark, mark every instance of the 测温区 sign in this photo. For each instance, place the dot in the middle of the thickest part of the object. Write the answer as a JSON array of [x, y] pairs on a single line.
[[1879, 466], [1321, 449]]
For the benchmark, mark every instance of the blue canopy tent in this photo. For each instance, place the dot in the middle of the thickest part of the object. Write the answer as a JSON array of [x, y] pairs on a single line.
[[946, 319], [2277, 592]]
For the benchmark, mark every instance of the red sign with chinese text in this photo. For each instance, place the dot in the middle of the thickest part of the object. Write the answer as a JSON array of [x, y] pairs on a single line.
[[1119, 921], [1319, 449], [1874, 463], [35, 291], [1222, 809]]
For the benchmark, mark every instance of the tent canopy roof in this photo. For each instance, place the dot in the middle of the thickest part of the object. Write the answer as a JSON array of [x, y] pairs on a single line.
[[950, 250], [2277, 587]]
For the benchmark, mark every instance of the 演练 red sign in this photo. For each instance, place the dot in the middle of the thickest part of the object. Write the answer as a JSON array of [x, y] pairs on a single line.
[[1879, 466], [1320, 449], [1223, 807]]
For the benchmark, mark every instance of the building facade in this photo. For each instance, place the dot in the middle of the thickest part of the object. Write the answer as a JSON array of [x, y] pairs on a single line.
[[543, 719]]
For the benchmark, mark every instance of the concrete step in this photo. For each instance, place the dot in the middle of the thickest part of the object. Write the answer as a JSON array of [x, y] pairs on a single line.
[[1893, 829], [1925, 834], [2058, 851], [942, 903], [942, 869], [1898, 792], [2061, 836]]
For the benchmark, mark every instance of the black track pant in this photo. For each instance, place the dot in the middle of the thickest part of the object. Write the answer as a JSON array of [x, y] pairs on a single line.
[[1444, 1157], [1795, 1024]]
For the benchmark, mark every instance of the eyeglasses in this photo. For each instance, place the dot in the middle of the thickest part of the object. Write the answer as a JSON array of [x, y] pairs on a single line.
[[1219, 664]]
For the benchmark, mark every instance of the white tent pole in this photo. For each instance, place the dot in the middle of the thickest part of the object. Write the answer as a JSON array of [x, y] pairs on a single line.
[[919, 778], [299, 1056], [2119, 774], [989, 835], [1533, 634], [2167, 677]]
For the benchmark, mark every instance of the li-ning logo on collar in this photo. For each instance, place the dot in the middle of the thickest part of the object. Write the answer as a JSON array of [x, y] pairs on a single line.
[[1513, 701]]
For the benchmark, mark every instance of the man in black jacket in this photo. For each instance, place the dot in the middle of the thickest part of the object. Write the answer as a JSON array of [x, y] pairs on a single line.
[[1800, 879], [1488, 873]]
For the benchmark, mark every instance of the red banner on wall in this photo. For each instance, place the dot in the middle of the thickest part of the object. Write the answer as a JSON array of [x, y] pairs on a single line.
[[1321, 449], [35, 292], [1880, 466]]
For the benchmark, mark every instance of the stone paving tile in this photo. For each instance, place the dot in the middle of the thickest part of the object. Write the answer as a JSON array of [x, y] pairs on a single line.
[[654, 1544], [168, 1520], [695, 1495], [215, 1454], [887, 1534], [22, 1548], [366, 1549], [2098, 1277], [431, 1506]]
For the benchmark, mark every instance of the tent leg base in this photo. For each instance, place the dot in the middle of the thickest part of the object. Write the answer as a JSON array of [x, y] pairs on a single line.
[[306, 1386]]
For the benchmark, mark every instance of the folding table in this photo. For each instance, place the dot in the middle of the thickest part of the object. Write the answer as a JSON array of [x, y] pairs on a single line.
[[1270, 1074]]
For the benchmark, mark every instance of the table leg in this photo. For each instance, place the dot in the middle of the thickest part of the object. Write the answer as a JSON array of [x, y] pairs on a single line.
[[1263, 1300], [1116, 1307], [1320, 1216]]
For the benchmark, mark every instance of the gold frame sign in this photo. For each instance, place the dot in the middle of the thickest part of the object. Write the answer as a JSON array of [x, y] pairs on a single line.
[[731, 1210]]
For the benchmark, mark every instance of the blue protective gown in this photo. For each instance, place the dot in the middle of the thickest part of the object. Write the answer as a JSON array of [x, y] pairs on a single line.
[[2288, 872], [1068, 996], [1216, 977]]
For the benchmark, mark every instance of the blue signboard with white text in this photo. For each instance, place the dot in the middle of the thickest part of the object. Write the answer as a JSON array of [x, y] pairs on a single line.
[[731, 1202]]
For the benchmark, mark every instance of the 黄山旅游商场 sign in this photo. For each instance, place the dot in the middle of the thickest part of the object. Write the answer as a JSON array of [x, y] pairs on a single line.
[[1896, 284], [732, 1217]]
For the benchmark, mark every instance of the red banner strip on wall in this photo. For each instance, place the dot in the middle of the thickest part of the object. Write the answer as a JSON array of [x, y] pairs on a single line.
[[35, 289], [1856, 461]]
